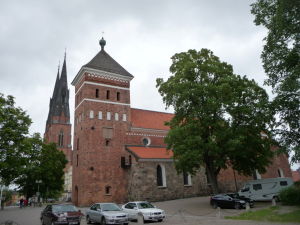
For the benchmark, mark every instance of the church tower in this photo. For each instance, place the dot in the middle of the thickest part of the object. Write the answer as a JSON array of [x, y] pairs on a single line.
[[58, 126], [101, 120]]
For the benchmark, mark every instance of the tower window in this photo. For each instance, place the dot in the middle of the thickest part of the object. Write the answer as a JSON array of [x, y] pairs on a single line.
[[107, 142], [77, 143], [76, 160], [91, 114], [108, 116], [108, 190], [107, 94], [116, 116], [97, 93], [100, 115], [61, 139], [124, 117], [118, 96]]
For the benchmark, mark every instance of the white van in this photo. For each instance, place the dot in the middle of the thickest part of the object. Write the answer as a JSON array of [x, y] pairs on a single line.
[[265, 189]]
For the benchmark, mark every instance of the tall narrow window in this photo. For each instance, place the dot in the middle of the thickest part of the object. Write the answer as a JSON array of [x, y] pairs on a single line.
[[159, 176], [108, 116], [107, 190], [118, 96], [280, 172], [77, 143], [100, 115], [61, 139], [107, 94], [91, 114], [97, 93], [77, 160], [124, 117], [187, 181], [116, 116]]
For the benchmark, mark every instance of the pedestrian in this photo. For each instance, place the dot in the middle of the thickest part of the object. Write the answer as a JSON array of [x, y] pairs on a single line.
[[21, 203], [25, 202]]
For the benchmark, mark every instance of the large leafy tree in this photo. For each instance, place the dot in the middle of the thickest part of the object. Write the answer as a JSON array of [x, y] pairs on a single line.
[[219, 117], [14, 125], [281, 61], [44, 163]]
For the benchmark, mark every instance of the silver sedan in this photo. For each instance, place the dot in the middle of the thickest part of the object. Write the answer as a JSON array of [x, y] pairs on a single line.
[[106, 213]]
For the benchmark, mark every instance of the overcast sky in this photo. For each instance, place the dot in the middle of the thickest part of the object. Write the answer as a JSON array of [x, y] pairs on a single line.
[[141, 35]]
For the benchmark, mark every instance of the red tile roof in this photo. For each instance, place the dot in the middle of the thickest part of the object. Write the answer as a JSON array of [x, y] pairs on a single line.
[[150, 119], [296, 176], [151, 153]]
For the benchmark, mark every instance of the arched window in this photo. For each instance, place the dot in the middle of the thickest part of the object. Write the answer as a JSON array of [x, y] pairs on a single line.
[[161, 176], [256, 175], [187, 180], [61, 139]]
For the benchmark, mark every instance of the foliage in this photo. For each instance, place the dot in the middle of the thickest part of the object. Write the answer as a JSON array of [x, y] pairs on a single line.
[[219, 116], [281, 61], [44, 163], [290, 195], [271, 214], [7, 195], [14, 125]]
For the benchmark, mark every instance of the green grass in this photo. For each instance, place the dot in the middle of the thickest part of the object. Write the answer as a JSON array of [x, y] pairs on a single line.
[[270, 214]]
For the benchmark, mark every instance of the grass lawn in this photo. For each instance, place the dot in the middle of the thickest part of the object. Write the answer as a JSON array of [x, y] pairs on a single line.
[[272, 214]]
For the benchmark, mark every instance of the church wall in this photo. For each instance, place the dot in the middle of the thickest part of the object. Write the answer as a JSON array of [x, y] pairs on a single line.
[[143, 184]]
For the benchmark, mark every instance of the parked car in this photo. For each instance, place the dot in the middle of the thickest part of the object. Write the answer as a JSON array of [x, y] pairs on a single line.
[[146, 210], [230, 200], [106, 213], [265, 189], [60, 214]]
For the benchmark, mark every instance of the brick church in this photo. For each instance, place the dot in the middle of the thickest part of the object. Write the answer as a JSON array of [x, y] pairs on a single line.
[[119, 152]]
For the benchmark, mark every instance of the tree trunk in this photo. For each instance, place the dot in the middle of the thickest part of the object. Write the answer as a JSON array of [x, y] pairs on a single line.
[[212, 180]]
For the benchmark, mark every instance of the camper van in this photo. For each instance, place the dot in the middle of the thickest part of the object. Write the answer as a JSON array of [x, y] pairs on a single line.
[[265, 189]]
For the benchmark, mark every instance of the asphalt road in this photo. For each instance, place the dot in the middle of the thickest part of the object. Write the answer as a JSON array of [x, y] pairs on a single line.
[[192, 211]]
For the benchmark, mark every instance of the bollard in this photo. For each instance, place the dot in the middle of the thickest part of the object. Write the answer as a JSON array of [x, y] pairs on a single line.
[[273, 201], [218, 215], [247, 206]]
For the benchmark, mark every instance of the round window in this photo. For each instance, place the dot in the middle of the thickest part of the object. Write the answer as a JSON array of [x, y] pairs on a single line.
[[146, 141]]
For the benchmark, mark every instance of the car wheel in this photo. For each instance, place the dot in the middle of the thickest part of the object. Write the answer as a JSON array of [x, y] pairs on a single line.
[[88, 220], [160, 220], [103, 221], [214, 205], [237, 205]]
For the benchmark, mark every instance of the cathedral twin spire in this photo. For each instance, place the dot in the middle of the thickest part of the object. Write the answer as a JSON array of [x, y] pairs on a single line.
[[59, 103]]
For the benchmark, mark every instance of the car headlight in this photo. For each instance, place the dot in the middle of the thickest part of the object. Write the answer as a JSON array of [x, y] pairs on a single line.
[[242, 202], [110, 217], [61, 218]]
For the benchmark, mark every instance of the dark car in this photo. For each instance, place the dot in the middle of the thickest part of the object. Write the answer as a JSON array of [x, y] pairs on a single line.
[[230, 200], [61, 214]]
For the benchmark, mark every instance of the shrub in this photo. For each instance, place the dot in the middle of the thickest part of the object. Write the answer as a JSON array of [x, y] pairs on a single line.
[[290, 195]]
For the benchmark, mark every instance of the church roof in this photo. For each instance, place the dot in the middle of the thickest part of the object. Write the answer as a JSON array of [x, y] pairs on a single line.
[[150, 119], [103, 61], [150, 152]]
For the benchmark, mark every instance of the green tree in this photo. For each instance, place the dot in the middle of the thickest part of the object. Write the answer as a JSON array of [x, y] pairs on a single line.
[[14, 125], [45, 163], [281, 61], [219, 117]]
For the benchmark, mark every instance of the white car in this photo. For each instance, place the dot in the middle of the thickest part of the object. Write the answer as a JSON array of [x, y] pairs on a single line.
[[146, 210], [106, 213]]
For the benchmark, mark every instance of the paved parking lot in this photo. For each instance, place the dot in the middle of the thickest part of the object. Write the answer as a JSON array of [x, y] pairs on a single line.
[[191, 211]]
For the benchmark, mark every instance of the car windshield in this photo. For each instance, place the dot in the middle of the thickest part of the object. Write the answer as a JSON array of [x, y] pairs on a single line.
[[145, 205], [64, 208], [110, 207]]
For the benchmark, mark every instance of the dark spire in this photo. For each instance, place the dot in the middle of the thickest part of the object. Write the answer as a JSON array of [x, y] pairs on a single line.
[[102, 43], [59, 103]]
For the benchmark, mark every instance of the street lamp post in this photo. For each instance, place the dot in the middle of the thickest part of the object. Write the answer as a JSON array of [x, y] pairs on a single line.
[[38, 192]]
